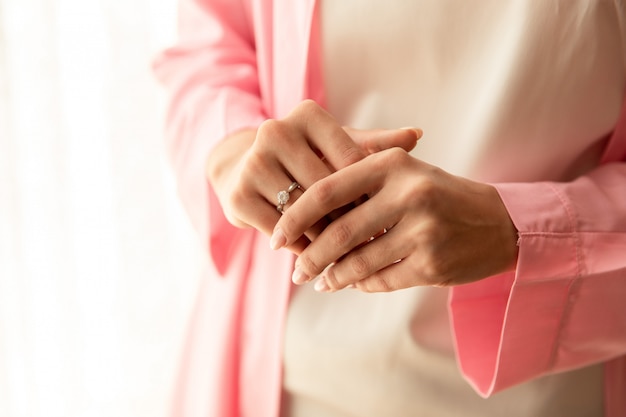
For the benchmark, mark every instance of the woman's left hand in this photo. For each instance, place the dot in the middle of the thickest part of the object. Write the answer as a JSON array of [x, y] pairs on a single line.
[[420, 226]]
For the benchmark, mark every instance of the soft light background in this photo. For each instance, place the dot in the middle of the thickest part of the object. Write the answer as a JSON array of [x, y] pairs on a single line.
[[98, 264]]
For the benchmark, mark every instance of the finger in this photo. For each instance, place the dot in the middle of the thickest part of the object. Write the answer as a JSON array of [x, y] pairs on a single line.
[[376, 140], [304, 166], [325, 135], [299, 245], [292, 155], [271, 197], [333, 192], [263, 216], [378, 254], [406, 273], [290, 152], [268, 178], [303, 241], [343, 236], [314, 231], [396, 276], [258, 206]]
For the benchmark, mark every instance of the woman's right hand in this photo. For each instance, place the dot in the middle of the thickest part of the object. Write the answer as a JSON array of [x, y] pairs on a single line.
[[250, 167]]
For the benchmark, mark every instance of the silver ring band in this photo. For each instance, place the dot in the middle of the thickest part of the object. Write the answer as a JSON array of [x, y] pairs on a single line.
[[283, 196]]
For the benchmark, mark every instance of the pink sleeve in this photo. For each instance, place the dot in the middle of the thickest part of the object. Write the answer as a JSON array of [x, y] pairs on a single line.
[[213, 87], [565, 305]]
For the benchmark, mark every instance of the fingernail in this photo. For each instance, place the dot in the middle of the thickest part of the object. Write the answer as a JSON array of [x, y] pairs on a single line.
[[415, 129], [321, 286], [278, 239], [298, 277]]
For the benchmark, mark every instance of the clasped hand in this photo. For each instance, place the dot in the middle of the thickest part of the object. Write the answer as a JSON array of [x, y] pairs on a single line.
[[418, 225]]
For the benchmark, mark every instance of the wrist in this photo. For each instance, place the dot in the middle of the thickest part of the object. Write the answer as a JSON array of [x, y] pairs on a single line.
[[508, 236]]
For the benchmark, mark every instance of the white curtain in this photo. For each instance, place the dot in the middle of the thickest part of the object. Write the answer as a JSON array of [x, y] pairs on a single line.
[[98, 264]]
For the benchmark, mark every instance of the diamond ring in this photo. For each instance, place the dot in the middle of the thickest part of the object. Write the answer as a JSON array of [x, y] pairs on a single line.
[[283, 196]]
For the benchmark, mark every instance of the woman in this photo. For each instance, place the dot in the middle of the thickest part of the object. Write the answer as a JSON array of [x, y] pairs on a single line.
[[517, 190]]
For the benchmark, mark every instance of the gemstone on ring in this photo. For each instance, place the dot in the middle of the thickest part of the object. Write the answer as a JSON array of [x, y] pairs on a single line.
[[283, 196]]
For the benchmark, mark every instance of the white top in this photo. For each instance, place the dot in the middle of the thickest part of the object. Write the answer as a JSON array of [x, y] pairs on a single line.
[[469, 74]]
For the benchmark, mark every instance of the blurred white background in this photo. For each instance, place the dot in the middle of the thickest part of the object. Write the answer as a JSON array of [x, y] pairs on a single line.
[[98, 264]]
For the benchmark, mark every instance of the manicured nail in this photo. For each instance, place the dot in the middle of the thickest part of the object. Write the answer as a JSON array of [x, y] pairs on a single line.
[[278, 239], [298, 277], [321, 286]]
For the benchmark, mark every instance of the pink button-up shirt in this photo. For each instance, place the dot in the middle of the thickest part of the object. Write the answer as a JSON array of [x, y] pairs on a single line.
[[240, 62]]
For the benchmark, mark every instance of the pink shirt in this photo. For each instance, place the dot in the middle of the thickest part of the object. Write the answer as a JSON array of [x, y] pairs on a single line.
[[240, 62]]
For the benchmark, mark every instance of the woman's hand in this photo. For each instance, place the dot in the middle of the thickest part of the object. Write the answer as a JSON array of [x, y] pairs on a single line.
[[248, 169], [420, 226]]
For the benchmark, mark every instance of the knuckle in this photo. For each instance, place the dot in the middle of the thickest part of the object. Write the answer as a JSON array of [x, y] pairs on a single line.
[[377, 284], [308, 265], [379, 162], [360, 265], [351, 154], [429, 275], [371, 145], [331, 279], [433, 271], [234, 208], [322, 192], [309, 115], [254, 165], [395, 156], [341, 235], [389, 159], [422, 194], [308, 105], [305, 110], [234, 220], [266, 128], [270, 131], [426, 187], [434, 238], [238, 199]]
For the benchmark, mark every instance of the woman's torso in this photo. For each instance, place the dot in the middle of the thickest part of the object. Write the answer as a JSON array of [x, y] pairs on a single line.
[[504, 91]]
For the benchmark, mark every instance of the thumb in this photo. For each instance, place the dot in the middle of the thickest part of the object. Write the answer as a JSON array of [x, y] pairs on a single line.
[[376, 140]]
